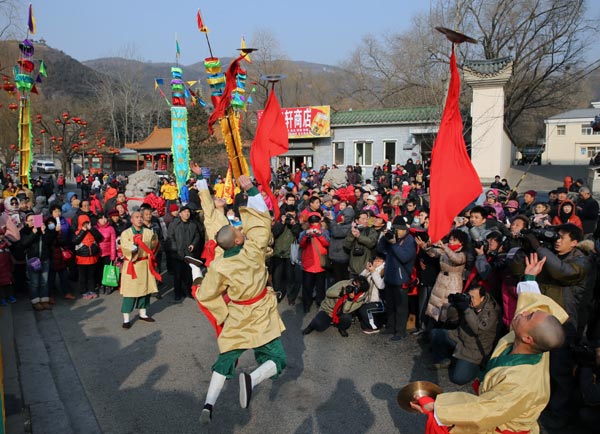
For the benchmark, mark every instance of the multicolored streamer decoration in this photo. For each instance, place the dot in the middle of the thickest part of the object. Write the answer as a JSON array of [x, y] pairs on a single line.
[[179, 132], [227, 95], [25, 79]]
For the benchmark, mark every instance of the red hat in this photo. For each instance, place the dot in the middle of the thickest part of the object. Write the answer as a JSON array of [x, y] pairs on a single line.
[[383, 216], [531, 193], [113, 212], [173, 207]]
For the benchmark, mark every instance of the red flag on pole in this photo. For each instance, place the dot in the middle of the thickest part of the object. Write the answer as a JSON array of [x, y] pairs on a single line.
[[271, 139], [201, 25], [454, 181]]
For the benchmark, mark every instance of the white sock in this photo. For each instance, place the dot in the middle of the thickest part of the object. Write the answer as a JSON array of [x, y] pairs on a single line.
[[143, 313], [214, 388], [196, 272], [125, 317], [264, 371]]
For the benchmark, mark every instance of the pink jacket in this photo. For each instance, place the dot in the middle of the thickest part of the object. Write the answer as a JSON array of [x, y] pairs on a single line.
[[108, 246]]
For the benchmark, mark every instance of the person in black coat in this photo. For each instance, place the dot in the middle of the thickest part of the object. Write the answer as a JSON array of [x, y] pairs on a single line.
[[587, 210], [36, 242]]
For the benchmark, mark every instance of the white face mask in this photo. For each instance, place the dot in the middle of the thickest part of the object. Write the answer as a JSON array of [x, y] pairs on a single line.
[[51, 226]]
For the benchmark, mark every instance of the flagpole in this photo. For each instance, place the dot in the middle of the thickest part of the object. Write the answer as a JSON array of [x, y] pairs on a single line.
[[208, 42]]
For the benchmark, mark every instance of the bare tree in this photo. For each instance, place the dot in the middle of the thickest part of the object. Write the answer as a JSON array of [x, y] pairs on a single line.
[[547, 40], [10, 13]]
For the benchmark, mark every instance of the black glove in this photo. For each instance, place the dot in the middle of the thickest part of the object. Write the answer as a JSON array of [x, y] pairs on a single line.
[[533, 241], [349, 289]]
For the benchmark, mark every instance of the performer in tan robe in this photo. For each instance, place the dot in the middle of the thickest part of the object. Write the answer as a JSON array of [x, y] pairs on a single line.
[[515, 386], [138, 277], [250, 320]]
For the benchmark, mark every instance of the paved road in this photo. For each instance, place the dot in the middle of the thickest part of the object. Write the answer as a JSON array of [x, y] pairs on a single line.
[[153, 377]]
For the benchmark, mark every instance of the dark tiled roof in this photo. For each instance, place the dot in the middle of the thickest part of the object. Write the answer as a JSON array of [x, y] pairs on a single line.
[[386, 116], [487, 67]]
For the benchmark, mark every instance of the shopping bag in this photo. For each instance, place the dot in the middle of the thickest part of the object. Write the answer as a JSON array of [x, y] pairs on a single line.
[[110, 275]]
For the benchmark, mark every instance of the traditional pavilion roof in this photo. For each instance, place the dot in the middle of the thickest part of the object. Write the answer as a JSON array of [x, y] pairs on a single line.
[[487, 67], [159, 139], [399, 115]]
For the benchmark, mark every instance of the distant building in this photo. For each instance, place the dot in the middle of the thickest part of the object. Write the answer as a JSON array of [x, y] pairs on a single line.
[[368, 137], [569, 137]]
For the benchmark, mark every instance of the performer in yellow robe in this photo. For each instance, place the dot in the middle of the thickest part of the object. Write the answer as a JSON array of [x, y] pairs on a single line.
[[138, 278], [250, 320], [516, 383]]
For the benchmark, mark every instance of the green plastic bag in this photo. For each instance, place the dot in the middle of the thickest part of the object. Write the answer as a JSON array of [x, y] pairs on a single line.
[[110, 275]]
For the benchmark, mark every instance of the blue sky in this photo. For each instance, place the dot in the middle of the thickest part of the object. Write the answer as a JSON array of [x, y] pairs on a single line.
[[314, 31]]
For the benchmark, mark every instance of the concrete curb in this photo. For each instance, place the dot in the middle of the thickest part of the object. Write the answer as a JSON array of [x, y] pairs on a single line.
[[51, 387]]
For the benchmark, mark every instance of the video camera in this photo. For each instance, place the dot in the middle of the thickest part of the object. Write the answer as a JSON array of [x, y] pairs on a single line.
[[459, 298], [546, 236]]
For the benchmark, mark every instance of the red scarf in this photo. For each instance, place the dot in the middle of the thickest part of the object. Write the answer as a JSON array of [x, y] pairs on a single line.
[[137, 239]]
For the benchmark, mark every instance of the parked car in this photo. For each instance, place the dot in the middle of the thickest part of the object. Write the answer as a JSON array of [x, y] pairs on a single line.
[[531, 154], [45, 166]]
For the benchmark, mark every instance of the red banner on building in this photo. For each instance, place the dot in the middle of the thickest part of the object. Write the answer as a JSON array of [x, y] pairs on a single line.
[[306, 122]]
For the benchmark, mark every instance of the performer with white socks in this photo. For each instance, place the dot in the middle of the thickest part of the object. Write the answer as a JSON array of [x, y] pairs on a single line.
[[250, 319]]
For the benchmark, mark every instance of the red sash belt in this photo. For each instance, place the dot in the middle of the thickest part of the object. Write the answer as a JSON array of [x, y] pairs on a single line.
[[131, 268], [251, 300]]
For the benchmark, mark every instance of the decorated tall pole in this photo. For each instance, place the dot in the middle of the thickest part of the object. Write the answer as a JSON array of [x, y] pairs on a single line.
[[25, 83], [179, 132], [227, 95]]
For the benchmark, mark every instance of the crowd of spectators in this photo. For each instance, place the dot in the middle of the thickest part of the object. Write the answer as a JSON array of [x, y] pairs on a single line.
[[345, 247]]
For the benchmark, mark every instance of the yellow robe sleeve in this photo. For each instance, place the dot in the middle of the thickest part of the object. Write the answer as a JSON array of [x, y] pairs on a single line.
[[209, 294]]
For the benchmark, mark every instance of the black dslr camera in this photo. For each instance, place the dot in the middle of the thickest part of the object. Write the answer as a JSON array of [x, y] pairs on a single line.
[[289, 218]]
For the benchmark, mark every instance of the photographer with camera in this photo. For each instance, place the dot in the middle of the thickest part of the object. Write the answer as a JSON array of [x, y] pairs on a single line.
[[359, 243], [490, 263], [469, 345], [568, 278], [400, 251], [452, 265], [287, 276], [342, 299]]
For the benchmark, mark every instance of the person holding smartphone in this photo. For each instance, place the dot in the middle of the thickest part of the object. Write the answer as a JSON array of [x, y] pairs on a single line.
[[36, 241]]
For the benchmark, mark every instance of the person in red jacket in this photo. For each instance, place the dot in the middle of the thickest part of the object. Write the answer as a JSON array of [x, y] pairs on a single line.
[[313, 245], [566, 214], [87, 252]]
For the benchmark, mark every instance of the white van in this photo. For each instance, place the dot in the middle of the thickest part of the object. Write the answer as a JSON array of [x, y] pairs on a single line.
[[44, 166]]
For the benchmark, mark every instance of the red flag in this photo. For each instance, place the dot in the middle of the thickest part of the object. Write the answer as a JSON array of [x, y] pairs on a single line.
[[271, 139], [451, 166], [201, 25]]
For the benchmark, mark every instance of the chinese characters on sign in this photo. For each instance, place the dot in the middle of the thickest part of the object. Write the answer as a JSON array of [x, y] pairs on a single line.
[[305, 122]]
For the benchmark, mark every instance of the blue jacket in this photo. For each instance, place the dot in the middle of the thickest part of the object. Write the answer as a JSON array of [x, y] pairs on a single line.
[[399, 259]]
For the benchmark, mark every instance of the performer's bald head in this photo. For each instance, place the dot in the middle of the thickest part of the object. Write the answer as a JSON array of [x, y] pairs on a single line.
[[228, 237], [548, 334]]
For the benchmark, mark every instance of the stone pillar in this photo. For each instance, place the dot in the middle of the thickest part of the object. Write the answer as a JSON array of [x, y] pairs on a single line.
[[491, 147]]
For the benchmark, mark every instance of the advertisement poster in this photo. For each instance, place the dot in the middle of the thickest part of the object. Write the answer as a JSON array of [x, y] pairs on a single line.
[[306, 122]]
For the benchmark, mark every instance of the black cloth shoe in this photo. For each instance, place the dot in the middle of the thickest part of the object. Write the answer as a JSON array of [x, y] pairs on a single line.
[[308, 330], [147, 319], [126, 325], [343, 333], [206, 415], [192, 260]]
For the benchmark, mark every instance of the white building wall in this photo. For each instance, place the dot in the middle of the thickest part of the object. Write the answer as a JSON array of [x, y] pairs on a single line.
[[572, 147], [377, 135]]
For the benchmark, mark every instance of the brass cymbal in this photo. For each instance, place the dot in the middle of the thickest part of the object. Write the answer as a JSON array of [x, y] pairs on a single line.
[[419, 389]]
